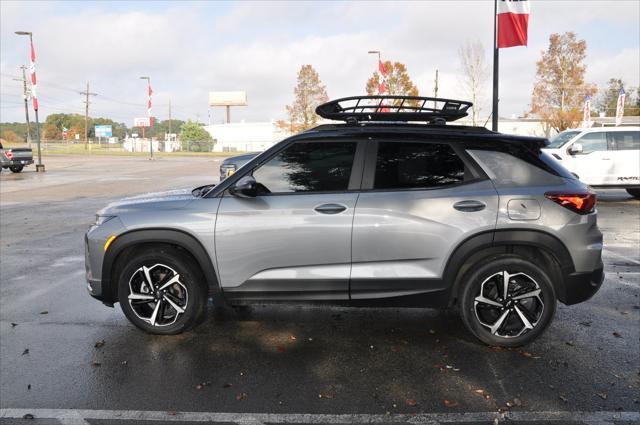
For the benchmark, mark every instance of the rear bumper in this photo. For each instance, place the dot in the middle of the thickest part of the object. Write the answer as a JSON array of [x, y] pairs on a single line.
[[579, 287]]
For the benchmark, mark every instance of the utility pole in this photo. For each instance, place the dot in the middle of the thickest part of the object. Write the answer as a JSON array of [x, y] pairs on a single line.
[[87, 93], [26, 96], [170, 120]]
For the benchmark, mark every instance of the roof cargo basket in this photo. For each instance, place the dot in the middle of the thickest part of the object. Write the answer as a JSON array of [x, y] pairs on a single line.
[[394, 108]]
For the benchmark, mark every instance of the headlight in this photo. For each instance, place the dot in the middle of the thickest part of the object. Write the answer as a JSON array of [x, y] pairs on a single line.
[[101, 219]]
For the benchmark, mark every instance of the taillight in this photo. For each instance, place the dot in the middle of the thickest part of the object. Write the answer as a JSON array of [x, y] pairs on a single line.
[[581, 203], [9, 154]]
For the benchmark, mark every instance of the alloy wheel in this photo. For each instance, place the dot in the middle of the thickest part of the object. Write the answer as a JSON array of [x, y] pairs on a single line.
[[156, 295], [509, 305]]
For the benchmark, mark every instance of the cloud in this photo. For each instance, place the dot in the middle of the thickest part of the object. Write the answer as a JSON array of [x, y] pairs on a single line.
[[191, 49]]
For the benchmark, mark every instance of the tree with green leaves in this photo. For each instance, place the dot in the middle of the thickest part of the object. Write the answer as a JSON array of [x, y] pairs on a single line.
[[308, 94], [195, 138], [607, 100], [560, 88], [397, 81]]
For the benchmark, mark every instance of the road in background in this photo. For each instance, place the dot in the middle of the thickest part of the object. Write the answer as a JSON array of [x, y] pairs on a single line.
[[284, 359]]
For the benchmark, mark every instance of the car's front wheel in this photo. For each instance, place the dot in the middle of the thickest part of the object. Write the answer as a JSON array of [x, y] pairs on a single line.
[[161, 291], [507, 301], [16, 168], [634, 192]]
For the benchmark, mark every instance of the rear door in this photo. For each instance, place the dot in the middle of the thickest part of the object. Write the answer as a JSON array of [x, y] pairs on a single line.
[[419, 201], [292, 241], [624, 154]]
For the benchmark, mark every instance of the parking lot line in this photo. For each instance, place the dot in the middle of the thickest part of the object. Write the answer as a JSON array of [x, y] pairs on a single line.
[[68, 416], [624, 257]]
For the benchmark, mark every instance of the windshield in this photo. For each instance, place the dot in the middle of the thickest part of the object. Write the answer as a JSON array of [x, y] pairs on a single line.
[[561, 138]]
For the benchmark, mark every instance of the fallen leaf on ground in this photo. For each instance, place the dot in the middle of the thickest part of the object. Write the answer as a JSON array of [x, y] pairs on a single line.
[[410, 402], [563, 398], [26, 351], [95, 363], [617, 334], [226, 385], [28, 386], [586, 323], [526, 354], [241, 396], [481, 392], [44, 312], [448, 403], [624, 312], [326, 395], [517, 402], [124, 362], [570, 343], [99, 343], [292, 338], [28, 416], [172, 412], [432, 332], [602, 395], [13, 325]]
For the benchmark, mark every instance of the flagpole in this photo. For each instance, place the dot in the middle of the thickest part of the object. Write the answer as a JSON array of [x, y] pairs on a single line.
[[494, 110]]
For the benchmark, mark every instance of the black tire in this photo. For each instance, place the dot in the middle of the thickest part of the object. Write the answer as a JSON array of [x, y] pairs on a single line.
[[16, 168], [634, 192], [538, 311], [189, 292]]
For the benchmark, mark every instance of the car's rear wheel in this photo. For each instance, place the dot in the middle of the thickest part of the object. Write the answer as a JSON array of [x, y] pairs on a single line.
[[162, 291], [507, 301], [634, 192], [16, 168]]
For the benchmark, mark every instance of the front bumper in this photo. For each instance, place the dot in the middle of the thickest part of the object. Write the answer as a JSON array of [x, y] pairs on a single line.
[[579, 287]]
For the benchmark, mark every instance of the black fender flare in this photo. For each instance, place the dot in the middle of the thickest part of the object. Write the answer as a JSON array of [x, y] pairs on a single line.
[[502, 239], [169, 236]]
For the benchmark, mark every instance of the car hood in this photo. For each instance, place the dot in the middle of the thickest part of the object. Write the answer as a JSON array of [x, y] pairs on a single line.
[[173, 199]]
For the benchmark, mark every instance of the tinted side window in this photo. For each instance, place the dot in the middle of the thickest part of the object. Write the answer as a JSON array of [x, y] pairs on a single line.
[[308, 167], [592, 142], [410, 165], [625, 140]]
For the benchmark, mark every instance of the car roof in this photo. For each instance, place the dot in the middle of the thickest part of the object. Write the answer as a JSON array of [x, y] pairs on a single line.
[[418, 130]]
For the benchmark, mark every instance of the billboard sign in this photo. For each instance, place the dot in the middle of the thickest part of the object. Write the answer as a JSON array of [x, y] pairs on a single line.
[[228, 98], [141, 122], [104, 131]]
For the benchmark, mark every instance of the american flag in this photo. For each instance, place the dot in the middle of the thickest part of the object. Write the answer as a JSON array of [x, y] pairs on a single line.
[[586, 117], [32, 71], [149, 106], [620, 107]]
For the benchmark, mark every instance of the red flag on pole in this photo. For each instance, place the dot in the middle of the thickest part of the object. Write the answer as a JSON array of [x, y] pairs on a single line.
[[513, 22], [381, 88], [32, 71], [382, 69]]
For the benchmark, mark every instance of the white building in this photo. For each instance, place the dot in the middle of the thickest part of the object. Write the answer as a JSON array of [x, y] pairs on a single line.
[[245, 137]]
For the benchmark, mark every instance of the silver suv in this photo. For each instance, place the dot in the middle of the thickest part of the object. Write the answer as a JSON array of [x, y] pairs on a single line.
[[377, 211]]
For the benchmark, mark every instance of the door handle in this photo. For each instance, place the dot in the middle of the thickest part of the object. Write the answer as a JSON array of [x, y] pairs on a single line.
[[469, 206], [330, 208]]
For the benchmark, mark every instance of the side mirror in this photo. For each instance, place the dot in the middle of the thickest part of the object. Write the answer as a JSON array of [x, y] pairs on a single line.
[[575, 148], [246, 187]]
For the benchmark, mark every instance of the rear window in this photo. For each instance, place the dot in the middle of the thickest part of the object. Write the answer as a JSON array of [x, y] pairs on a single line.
[[416, 165], [624, 140]]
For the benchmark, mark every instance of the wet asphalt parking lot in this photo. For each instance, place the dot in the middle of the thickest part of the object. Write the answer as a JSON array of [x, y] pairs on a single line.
[[66, 358]]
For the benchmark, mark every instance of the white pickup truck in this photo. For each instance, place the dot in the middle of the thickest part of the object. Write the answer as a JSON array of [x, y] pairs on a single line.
[[15, 159]]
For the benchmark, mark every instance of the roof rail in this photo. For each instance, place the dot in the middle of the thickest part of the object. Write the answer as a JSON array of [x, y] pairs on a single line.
[[394, 108]]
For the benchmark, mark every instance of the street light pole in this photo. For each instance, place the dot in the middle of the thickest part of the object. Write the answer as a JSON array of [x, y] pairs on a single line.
[[32, 70], [377, 52], [149, 112]]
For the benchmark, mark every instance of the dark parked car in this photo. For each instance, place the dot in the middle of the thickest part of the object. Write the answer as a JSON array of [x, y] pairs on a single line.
[[232, 164], [15, 159]]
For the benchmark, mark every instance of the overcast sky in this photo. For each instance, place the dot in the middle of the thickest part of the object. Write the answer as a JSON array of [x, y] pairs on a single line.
[[189, 49]]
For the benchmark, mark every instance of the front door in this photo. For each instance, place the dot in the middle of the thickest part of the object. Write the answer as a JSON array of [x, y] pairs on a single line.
[[292, 241]]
